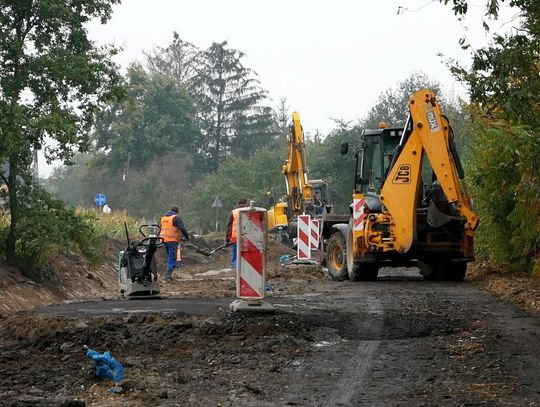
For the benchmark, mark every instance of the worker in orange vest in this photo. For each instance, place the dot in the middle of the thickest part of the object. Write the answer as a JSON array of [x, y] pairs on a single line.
[[231, 229], [172, 229]]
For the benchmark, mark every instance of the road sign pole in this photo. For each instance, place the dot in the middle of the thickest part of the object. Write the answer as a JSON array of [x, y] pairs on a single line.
[[217, 204]]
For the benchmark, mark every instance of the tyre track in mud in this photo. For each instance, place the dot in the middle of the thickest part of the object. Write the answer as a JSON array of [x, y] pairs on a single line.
[[360, 361]]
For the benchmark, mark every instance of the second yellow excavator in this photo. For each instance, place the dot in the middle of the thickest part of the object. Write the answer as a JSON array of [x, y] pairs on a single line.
[[302, 195]]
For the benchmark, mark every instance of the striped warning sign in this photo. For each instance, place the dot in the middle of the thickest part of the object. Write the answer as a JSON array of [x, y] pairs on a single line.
[[358, 214], [251, 265], [303, 248], [314, 238]]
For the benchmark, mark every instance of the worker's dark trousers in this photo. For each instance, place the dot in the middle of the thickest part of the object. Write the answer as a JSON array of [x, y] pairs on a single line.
[[233, 255], [170, 248]]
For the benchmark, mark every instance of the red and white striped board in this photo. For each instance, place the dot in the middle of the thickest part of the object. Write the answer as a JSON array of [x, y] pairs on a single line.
[[314, 239], [251, 246], [358, 214], [303, 247]]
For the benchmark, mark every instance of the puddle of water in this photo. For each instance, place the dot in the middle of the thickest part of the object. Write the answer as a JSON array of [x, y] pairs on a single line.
[[322, 344]]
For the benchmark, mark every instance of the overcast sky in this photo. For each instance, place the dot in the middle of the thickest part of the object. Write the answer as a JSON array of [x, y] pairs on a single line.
[[329, 59]]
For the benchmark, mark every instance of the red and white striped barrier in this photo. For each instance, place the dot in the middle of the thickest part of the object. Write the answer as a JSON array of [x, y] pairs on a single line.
[[314, 238], [251, 246], [358, 214], [303, 247]]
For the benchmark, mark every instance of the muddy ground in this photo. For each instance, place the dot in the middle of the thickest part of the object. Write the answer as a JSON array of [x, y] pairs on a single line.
[[400, 341]]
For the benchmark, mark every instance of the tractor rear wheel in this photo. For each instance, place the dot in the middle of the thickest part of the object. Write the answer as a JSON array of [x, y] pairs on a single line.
[[336, 255], [429, 270]]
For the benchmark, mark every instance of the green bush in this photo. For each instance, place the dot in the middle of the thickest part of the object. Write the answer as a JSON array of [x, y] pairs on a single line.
[[45, 224], [502, 166]]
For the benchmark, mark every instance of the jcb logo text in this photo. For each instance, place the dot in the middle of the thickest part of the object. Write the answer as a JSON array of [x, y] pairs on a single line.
[[403, 174]]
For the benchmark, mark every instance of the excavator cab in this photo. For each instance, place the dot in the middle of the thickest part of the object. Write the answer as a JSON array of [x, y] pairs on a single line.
[[322, 197], [373, 161]]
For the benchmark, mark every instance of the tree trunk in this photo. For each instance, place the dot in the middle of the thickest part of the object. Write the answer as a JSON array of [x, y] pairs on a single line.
[[11, 255]]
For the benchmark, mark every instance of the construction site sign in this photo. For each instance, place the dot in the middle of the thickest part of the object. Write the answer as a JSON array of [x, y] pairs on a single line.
[[217, 203], [314, 240], [251, 246], [303, 244]]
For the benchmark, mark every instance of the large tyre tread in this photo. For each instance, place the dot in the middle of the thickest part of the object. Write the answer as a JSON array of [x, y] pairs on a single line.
[[336, 258]]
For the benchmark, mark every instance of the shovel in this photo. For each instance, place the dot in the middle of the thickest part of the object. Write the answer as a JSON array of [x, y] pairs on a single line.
[[223, 246], [196, 249]]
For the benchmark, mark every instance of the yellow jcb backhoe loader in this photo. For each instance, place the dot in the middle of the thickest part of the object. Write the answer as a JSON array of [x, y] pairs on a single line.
[[410, 204]]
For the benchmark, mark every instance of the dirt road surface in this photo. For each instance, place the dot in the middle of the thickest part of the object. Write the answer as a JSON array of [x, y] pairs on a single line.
[[400, 341]]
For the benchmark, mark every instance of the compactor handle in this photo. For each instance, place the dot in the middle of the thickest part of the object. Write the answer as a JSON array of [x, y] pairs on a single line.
[[148, 226]]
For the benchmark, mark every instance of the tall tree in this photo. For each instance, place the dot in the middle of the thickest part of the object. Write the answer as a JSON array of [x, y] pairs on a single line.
[[283, 117], [179, 61], [53, 79], [227, 95], [392, 104], [155, 117]]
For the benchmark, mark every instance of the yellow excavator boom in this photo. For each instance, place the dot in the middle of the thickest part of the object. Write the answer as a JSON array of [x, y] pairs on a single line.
[[295, 170]]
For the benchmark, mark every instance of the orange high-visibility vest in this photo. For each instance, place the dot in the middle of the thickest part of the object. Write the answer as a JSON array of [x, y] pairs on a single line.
[[234, 224], [169, 232]]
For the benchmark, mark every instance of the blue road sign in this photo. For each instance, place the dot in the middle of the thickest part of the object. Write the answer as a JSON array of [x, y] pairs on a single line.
[[100, 199]]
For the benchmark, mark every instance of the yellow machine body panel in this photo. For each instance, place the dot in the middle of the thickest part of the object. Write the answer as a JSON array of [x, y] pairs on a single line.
[[277, 217]]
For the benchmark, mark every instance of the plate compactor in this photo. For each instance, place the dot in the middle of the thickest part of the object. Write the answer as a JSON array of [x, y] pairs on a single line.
[[137, 270]]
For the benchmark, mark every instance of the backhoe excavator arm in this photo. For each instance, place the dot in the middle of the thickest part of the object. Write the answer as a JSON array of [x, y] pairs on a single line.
[[298, 189]]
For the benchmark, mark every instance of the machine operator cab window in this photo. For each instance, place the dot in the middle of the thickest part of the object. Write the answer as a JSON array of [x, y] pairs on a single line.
[[374, 159], [321, 196]]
